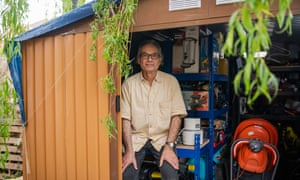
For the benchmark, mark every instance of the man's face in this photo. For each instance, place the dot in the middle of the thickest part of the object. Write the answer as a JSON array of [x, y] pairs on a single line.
[[150, 59]]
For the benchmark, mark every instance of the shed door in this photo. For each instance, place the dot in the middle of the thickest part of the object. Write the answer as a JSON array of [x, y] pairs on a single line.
[[64, 105]]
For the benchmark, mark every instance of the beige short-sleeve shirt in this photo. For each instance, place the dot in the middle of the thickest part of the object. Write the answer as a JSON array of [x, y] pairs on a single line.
[[150, 108]]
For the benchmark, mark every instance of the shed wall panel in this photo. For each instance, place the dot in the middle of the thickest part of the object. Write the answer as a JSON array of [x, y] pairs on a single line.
[[70, 118], [103, 104], [80, 106], [30, 157], [60, 107], [64, 105], [92, 116], [50, 135], [40, 108]]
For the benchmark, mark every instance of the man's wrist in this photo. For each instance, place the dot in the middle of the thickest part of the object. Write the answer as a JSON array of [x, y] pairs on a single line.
[[171, 144]]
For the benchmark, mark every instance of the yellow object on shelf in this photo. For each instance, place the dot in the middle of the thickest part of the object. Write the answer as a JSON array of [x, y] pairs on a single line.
[[155, 174]]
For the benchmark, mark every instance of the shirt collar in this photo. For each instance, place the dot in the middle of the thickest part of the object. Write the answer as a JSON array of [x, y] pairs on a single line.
[[157, 77]]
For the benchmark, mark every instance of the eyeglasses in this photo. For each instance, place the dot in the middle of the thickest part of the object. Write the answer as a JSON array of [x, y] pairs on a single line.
[[153, 56]]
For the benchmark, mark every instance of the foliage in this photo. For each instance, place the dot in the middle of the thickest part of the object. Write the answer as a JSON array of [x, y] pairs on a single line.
[[116, 19], [110, 125], [8, 101], [68, 5], [246, 37], [13, 13]]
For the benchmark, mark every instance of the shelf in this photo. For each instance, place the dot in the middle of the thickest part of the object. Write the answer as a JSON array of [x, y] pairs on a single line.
[[206, 114], [220, 145], [207, 148], [188, 151], [288, 93], [287, 68], [194, 152], [273, 117], [192, 77], [220, 77], [283, 95], [200, 77]]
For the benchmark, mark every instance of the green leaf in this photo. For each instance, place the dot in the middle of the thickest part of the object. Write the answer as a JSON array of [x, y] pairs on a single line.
[[242, 36], [247, 77], [247, 20], [227, 48], [237, 82], [234, 17]]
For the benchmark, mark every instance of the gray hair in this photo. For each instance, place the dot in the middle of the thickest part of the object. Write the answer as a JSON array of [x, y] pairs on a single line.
[[152, 42]]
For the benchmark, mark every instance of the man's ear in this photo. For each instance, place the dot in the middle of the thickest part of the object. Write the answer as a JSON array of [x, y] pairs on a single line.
[[161, 62]]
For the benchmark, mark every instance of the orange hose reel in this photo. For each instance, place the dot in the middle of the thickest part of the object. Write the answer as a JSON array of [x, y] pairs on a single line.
[[257, 128], [254, 144]]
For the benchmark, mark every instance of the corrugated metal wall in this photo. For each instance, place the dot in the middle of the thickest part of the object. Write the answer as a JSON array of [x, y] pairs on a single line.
[[64, 104]]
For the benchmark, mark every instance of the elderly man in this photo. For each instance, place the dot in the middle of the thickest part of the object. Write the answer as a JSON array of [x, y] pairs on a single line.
[[152, 111]]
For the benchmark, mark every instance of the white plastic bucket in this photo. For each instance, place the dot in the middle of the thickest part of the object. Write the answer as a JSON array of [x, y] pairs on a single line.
[[192, 123], [188, 136]]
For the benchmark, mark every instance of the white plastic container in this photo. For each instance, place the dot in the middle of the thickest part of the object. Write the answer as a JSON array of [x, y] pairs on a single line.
[[188, 136], [192, 124]]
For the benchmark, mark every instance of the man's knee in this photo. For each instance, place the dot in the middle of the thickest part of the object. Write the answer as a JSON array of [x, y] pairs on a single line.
[[130, 173], [168, 172]]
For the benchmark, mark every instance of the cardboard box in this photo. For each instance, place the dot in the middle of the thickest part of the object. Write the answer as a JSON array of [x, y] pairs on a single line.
[[196, 100]]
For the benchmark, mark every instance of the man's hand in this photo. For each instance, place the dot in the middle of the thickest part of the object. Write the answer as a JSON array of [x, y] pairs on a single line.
[[169, 155], [128, 158]]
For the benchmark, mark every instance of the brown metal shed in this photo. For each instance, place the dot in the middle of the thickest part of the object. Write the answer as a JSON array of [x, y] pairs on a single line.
[[64, 102]]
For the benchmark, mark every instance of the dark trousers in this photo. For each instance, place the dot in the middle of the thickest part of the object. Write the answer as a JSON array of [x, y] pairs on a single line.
[[166, 170]]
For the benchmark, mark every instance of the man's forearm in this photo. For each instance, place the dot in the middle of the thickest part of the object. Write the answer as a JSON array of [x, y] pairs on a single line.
[[175, 125], [127, 134]]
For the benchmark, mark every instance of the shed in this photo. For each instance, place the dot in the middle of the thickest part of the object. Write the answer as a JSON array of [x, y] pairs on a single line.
[[64, 102]]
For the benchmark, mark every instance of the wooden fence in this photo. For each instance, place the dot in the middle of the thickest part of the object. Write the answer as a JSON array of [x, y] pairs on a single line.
[[13, 165]]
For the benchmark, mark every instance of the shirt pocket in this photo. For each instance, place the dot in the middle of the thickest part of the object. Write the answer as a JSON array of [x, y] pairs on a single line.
[[165, 110]]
